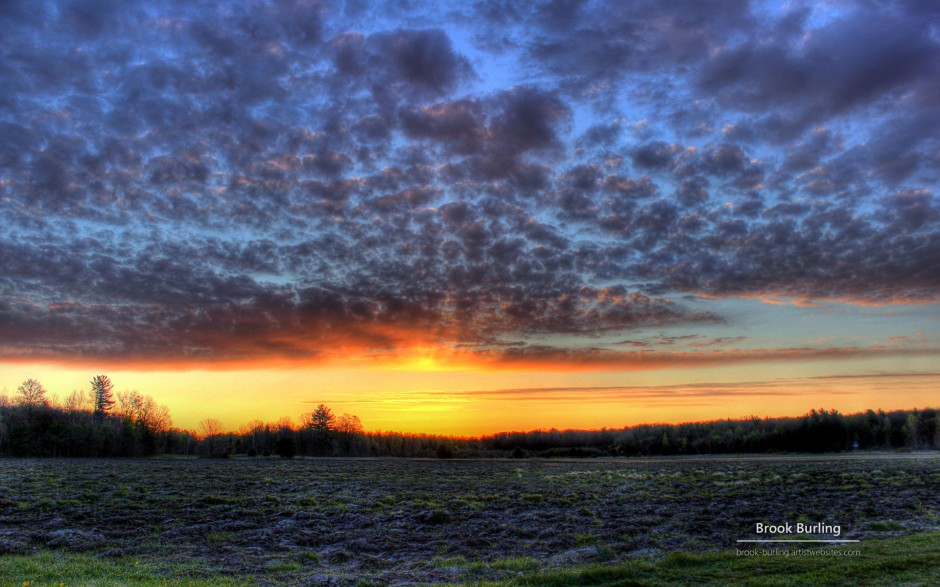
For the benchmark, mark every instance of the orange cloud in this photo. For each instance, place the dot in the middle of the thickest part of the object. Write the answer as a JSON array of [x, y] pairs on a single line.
[[419, 348], [598, 358], [779, 298]]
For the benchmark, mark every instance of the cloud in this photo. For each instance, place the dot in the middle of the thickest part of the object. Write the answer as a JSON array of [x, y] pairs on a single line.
[[844, 64], [536, 357], [590, 44], [456, 124], [422, 60], [284, 180], [678, 393]]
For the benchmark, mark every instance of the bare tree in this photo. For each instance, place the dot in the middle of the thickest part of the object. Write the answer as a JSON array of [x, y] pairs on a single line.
[[53, 401], [159, 419], [127, 404], [211, 429], [144, 410], [349, 424], [32, 395], [285, 424], [76, 401], [348, 430], [253, 432], [253, 427]]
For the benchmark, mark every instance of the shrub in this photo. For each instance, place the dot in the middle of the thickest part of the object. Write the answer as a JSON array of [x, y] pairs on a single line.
[[285, 447]]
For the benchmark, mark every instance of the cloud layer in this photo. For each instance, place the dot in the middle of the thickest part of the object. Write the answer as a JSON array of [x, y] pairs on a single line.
[[294, 180]]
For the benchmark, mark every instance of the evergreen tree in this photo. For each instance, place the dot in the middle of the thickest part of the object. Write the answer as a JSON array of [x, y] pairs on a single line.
[[102, 390], [321, 423], [322, 419]]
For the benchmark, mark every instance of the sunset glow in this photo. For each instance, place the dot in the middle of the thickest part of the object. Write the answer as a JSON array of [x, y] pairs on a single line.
[[464, 218]]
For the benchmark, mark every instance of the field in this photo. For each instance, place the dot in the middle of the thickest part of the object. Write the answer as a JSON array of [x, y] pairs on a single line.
[[405, 522]]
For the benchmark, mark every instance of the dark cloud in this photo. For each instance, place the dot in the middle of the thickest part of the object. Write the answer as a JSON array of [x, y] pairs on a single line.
[[529, 119], [850, 62], [421, 58], [600, 42], [212, 301], [460, 125], [286, 180], [497, 132], [692, 191], [404, 63], [656, 155]]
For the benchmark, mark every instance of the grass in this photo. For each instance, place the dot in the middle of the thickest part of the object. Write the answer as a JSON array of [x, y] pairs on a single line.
[[910, 560], [473, 572], [209, 522], [221, 537], [52, 569], [218, 500]]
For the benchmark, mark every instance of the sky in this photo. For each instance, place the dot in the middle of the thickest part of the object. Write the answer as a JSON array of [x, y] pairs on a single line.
[[468, 217]]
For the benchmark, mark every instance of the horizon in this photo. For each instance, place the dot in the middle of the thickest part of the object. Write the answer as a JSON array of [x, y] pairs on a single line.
[[296, 424], [473, 216]]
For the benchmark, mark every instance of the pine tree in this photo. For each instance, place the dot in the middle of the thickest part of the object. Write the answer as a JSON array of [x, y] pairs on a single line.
[[101, 388], [322, 419], [321, 424]]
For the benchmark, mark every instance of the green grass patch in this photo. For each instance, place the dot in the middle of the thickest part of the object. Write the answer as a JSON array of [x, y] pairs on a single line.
[[45, 504], [387, 502], [910, 560], [515, 564], [440, 562], [216, 537], [283, 566], [475, 571], [585, 539], [53, 569]]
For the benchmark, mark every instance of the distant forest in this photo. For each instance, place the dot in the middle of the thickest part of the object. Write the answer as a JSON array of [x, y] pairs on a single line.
[[104, 423]]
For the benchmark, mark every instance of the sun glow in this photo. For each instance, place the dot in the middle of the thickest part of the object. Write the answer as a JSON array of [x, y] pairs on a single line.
[[425, 394], [421, 360]]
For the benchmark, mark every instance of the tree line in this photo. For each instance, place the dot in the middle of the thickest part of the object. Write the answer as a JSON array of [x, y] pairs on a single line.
[[818, 431], [100, 422]]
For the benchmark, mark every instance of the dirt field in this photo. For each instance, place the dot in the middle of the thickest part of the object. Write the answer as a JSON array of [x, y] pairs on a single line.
[[407, 521]]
